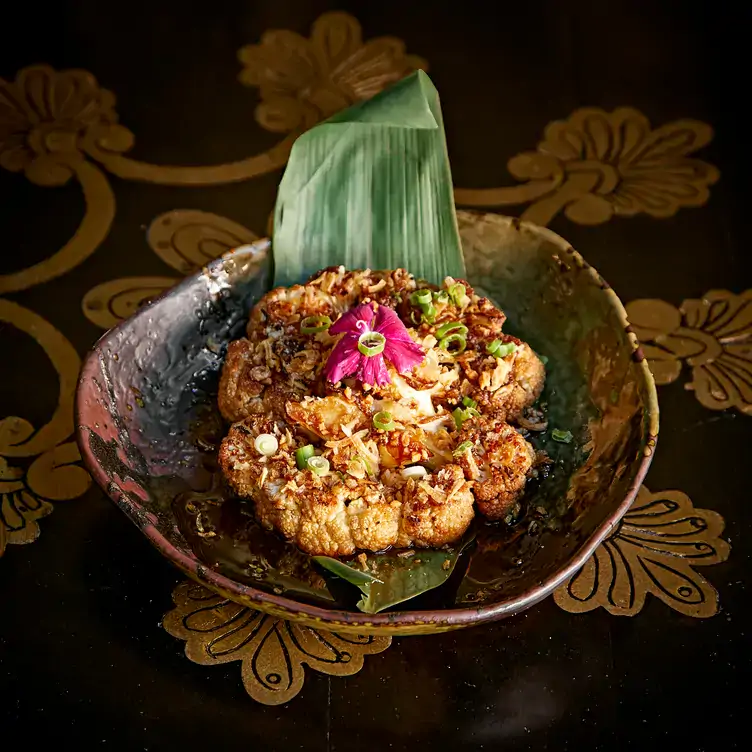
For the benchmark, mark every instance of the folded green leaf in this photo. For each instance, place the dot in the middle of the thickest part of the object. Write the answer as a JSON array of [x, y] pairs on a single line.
[[345, 571], [394, 579], [371, 188]]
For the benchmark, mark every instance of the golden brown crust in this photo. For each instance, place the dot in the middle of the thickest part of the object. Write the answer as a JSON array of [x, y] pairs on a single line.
[[272, 382], [498, 462]]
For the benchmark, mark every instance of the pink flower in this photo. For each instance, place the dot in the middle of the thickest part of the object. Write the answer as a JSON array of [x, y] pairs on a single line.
[[372, 333]]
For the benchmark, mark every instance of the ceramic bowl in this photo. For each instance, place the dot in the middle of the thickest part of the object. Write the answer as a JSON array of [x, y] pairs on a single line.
[[148, 428]]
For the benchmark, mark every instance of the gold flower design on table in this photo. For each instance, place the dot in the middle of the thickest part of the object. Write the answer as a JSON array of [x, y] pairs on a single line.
[[26, 496], [185, 239], [596, 165], [273, 652], [38, 466], [303, 81], [713, 335], [654, 549], [46, 115]]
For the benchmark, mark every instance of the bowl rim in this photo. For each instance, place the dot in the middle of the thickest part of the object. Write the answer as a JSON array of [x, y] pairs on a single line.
[[291, 608]]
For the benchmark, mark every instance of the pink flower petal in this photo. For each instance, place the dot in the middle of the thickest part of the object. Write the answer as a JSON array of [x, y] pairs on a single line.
[[344, 359], [404, 356], [348, 322], [389, 324], [373, 371]]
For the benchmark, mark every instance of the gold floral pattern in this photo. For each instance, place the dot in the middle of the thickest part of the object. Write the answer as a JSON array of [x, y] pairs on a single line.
[[46, 118], [47, 115], [303, 81], [25, 496], [26, 490], [272, 651], [187, 239], [654, 549], [108, 304], [713, 335], [596, 165]]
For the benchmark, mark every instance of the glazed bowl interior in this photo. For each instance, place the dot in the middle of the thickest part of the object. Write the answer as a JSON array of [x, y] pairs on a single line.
[[148, 428]]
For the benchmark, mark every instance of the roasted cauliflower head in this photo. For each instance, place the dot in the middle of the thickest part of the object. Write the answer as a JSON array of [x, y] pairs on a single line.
[[352, 465]]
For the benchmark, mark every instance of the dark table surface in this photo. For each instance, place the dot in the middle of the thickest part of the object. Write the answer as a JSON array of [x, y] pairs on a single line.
[[83, 655]]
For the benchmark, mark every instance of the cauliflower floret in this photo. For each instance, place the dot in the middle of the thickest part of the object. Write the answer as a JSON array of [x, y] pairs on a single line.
[[247, 386], [504, 386], [324, 515], [328, 417], [239, 392], [437, 509], [281, 310], [402, 447], [498, 463]]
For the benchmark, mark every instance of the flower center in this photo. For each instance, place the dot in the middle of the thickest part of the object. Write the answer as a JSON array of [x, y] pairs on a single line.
[[371, 343]]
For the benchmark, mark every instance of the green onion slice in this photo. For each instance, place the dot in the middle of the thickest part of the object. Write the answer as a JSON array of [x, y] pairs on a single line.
[[563, 437], [456, 293], [318, 465], [452, 326], [462, 448], [371, 343], [429, 313], [460, 415], [266, 444], [441, 296], [456, 342], [500, 349], [315, 324], [383, 420], [302, 456], [468, 402], [421, 298]]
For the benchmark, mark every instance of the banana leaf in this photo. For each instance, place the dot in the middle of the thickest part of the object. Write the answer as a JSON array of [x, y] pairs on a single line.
[[393, 579], [371, 188]]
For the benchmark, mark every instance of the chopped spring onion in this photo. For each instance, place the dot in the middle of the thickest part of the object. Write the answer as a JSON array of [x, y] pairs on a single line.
[[429, 313], [315, 324], [499, 349], [543, 359], [371, 343], [452, 326], [383, 421], [441, 296], [457, 293], [421, 298], [318, 465], [414, 471], [460, 415], [563, 437], [468, 402], [456, 342], [462, 448], [266, 444], [302, 456]]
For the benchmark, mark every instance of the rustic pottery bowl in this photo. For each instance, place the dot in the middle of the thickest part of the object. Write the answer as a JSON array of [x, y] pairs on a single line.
[[148, 427]]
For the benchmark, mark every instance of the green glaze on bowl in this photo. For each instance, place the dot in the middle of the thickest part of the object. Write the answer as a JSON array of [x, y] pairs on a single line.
[[150, 382]]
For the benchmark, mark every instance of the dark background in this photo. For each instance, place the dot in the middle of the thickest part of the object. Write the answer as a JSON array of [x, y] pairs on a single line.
[[83, 658]]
